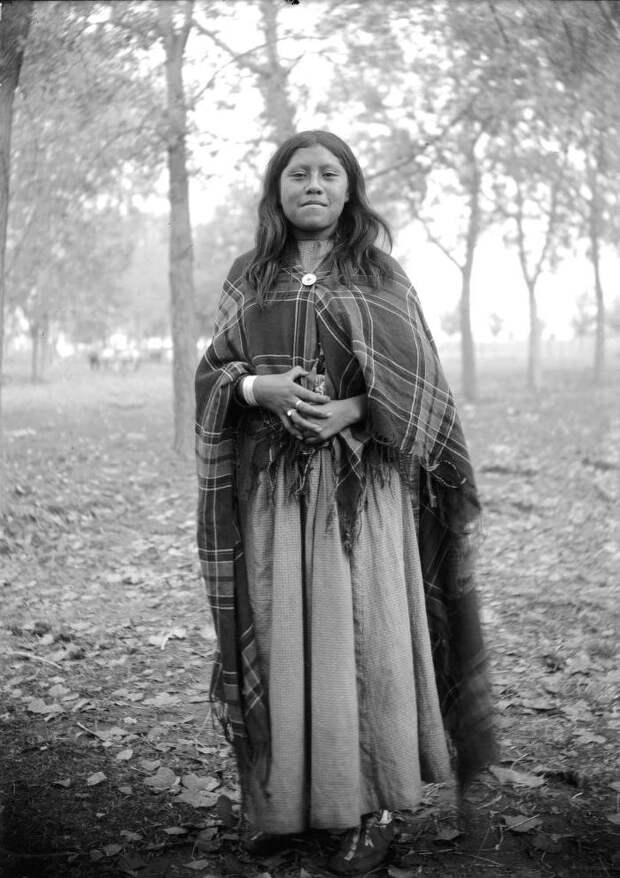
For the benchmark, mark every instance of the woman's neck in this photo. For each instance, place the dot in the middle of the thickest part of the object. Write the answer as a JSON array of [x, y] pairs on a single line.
[[312, 250]]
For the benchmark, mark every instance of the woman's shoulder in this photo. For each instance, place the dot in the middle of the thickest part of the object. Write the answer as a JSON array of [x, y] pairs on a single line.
[[239, 266], [393, 268]]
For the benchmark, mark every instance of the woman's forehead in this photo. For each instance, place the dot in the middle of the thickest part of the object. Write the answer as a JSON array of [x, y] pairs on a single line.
[[307, 156]]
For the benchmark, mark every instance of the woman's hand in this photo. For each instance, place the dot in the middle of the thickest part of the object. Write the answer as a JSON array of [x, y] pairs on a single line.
[[287, 399], [335, 416]]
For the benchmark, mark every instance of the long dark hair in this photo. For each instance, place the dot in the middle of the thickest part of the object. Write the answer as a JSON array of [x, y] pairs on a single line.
[[355, 251]]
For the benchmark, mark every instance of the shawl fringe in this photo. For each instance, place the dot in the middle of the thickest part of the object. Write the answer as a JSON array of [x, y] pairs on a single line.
[[449, 517]]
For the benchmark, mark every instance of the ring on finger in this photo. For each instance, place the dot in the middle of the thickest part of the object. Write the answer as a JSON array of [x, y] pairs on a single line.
[[298, 403], [290, 413]]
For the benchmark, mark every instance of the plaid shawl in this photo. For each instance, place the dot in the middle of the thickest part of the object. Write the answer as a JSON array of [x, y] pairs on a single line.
[[377, 342]]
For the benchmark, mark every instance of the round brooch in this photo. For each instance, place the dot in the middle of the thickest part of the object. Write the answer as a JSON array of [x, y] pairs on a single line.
[[308, 279]]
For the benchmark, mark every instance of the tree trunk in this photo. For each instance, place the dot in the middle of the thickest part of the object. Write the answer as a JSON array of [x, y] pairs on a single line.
[[534, 370], [468, 352], [34, 352], [181, 268], [15, 21], [595, 258], [273, 81], [599, 333]]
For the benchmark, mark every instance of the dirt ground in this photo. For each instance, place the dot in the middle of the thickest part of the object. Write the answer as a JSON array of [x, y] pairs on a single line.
[[109, 762]]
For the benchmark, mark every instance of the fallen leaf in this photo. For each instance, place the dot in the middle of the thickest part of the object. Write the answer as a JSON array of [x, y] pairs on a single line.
[[207, 840], [175, 830], [150, 764], [590, 738], [521, 822], [540, 704], [580, 664], [130, 865], [197, 798], [124, 755], [395, 872], [96, 778], [37, 705], [82, 704], [196, 865], [447, 833], [111, 850], [155, 733], [164, 699], [62, 783], [109, 734], [615, 785], [519, 778], [614, 818], [578, 710], [131, 836], [163, 779], [547, 843], [197, 782]]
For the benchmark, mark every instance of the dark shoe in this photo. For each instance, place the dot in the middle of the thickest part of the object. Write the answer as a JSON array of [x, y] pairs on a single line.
[[363, 848], [262, 844]]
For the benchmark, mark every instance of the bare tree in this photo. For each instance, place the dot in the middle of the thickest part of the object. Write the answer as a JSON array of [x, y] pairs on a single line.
[[470, 184], [175, 22], [270, 70], [15, 19], [594, 212], [538, 177]]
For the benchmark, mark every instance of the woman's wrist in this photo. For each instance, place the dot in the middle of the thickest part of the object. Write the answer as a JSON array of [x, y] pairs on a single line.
[[358, 406], [246, 389]]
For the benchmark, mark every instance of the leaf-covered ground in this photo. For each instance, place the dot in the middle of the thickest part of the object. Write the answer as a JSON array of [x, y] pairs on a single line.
[[109, 762]]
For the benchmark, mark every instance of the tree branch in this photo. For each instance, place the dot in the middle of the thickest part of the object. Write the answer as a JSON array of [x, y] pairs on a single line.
[[438, 243], [423, 145], [238, 57], [188, 12], [498, 23]]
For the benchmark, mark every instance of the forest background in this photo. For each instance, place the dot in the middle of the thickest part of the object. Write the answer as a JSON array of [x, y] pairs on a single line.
[[488, 130], [133, 139]]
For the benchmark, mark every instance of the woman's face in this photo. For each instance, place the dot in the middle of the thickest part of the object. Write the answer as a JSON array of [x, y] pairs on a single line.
[[313, 191]]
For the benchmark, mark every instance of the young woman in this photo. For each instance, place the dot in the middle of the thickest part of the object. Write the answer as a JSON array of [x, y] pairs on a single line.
[[336, 502]]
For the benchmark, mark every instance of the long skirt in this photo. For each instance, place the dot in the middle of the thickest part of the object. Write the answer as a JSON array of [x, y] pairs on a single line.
[[345, 653]]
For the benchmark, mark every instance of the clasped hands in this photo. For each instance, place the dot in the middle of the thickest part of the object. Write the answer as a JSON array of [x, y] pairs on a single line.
[[309, 416]]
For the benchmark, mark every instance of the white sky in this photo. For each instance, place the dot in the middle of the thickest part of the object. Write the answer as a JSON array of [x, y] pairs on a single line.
[[497, 282]]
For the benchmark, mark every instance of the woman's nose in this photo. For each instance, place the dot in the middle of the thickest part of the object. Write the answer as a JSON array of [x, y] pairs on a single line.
[[314, 184]]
